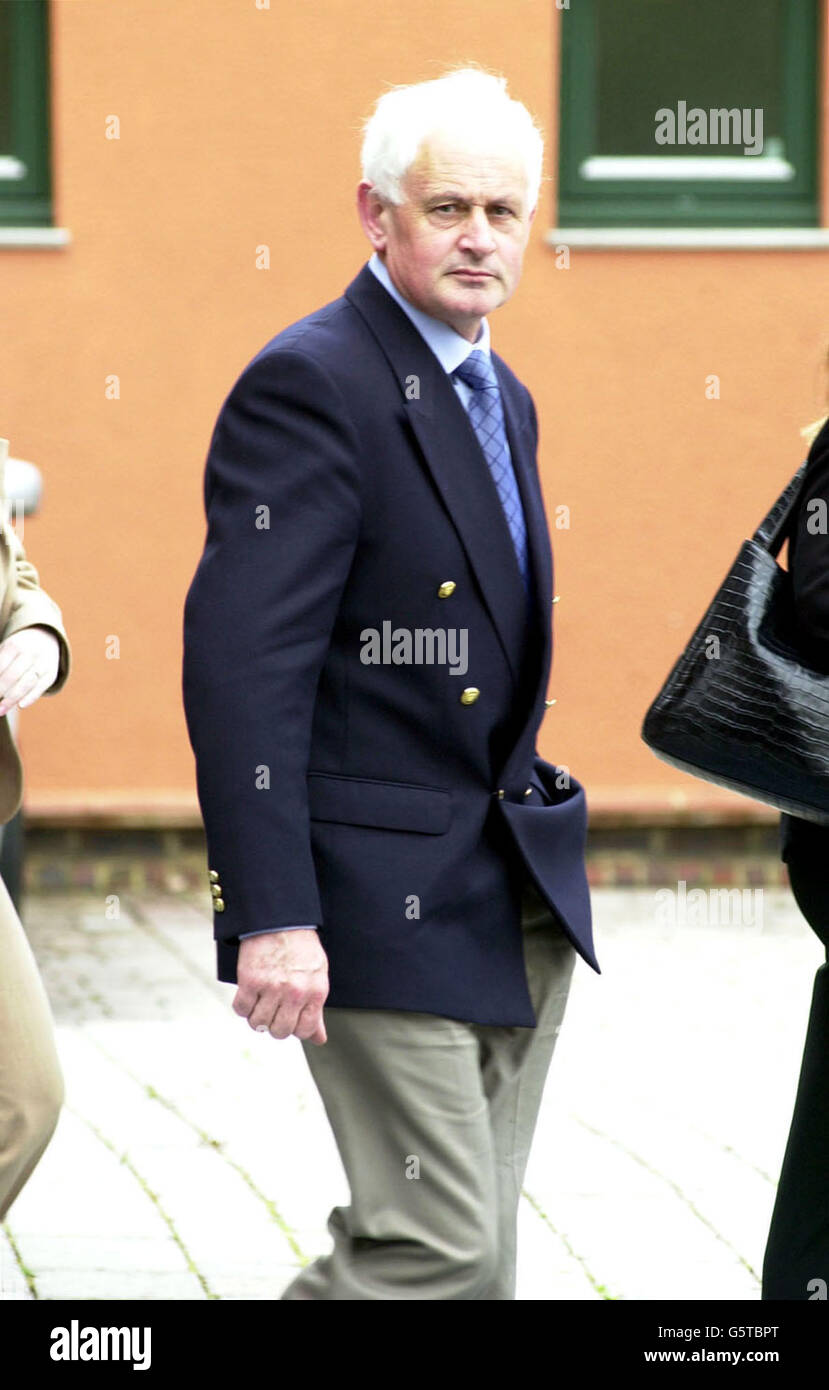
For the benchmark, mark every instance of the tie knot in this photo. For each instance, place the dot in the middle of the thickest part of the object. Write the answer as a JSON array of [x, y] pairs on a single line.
[[477, 371]]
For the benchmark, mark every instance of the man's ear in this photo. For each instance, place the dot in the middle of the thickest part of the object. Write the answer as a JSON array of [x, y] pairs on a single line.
[[372, 213]]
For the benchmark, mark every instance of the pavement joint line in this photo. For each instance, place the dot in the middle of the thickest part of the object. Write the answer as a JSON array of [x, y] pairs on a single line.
[[729, 1149], [92, 996], [216, 1144], [675, 1188], [539, 1211], [125, 1159], [138, 914], [28, 1274]]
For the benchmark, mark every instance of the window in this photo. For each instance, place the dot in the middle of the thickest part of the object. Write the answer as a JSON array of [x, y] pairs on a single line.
[[25, 189], [699, 114]]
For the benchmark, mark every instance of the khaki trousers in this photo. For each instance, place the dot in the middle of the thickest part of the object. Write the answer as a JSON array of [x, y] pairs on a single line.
[[31, 1085], [433, 1120]]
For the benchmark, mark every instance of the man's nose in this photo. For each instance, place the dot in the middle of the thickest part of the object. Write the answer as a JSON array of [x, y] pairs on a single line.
[[477, 234]]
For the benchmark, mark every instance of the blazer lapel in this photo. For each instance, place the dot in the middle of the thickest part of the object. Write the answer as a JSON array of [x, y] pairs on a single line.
[[443, 431]]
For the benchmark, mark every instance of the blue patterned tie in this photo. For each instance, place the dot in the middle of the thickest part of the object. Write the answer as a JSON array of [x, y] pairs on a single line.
[[486, 413]]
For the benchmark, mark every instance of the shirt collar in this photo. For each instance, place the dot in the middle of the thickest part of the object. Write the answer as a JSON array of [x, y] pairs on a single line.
[[448, 346]]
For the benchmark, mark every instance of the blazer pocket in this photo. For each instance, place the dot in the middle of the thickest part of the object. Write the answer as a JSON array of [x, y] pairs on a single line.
[[383, 805]]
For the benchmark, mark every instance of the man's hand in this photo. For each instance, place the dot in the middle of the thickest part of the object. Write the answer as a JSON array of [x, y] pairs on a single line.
[[283, 984], [29, 661]]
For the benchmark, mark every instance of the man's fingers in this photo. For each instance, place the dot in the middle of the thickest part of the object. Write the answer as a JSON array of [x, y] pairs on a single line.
[[244, 1000], [276, 1008], [309, 1026], [261, 1015], [294, 999], [320, 1036], [284, 1021], [284, 1011], [283, 984]]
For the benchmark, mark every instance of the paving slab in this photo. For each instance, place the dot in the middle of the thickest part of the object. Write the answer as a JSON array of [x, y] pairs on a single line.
[[193, 1158]]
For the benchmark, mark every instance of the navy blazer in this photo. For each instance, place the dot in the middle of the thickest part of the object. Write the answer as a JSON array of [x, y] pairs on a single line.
[[808, 564], [345, 488]]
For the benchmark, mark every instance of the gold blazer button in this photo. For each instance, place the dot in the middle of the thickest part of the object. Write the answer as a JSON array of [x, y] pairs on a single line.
[[213, 876], [447, 588], [470, 695], [216, 890], [218, 905]]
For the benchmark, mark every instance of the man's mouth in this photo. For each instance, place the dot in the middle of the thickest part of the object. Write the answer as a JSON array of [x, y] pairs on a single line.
[[473, 274]]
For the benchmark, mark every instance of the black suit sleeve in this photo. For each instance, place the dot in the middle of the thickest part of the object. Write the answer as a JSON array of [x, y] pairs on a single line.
[[283, 518]]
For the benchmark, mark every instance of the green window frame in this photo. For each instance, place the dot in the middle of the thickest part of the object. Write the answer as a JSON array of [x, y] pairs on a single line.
[[621, 192], [25, 174]]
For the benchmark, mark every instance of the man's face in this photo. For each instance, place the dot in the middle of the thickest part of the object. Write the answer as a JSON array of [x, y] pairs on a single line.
[[454, 248]]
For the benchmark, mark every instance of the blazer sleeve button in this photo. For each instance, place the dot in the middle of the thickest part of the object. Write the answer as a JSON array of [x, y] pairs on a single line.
[[212, 875], [218, 905]]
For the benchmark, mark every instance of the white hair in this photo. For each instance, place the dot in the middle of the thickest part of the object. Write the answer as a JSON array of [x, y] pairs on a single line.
[[465, 100]]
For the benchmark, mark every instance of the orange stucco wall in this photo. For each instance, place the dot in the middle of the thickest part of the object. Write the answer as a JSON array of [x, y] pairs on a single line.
[[240, 126]]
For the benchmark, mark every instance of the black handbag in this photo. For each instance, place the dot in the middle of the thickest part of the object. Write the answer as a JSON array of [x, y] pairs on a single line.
[[742, 707]]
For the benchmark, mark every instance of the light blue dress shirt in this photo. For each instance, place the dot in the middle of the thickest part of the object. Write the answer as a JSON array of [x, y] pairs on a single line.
[[450, 349], [448, 346]]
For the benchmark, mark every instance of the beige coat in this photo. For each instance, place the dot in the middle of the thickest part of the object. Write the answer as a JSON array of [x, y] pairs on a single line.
[[22, 604]]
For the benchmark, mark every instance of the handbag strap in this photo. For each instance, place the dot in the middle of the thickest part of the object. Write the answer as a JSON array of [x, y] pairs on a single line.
[[772, 530]]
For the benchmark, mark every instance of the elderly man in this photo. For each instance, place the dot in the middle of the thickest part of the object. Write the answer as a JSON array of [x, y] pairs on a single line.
[[367, 644]]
